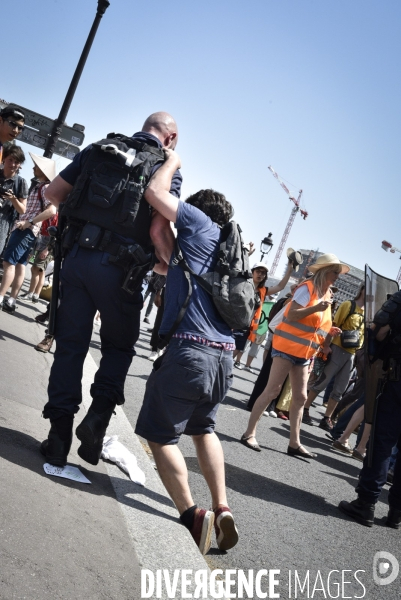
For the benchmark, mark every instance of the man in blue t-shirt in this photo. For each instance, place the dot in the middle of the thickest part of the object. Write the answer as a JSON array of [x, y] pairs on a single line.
[[90, 282], [190, 380]]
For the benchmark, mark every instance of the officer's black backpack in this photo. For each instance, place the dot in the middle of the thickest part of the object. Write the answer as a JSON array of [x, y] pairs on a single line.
[[109, 189]]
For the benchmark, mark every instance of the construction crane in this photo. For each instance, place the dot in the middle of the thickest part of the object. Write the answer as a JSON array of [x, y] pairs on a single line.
[[387, 246], [287, 230]]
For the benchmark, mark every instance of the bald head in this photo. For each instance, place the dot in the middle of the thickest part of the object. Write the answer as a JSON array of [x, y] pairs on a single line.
[[163, 126]]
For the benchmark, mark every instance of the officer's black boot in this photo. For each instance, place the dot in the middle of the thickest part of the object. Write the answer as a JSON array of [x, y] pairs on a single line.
[[361, 511], [92, 429], [393, 518], [58, 443]]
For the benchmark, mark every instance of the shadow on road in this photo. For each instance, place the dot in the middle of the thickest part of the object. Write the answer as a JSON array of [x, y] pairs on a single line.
[[22, 450], [277, 492]]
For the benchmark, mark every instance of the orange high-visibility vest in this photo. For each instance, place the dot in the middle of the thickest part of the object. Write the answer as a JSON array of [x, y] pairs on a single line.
[[303, 338], [256, 317]]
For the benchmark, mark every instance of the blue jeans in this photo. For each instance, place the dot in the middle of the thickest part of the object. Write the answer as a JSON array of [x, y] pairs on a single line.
[[90, 283], [387, 434]]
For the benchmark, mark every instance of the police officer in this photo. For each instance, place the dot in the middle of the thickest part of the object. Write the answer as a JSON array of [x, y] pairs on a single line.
[[387, 433], [98, 247]]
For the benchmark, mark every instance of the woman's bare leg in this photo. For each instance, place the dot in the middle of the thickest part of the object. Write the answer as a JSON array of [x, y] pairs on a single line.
[[299, 379], [279, 371]]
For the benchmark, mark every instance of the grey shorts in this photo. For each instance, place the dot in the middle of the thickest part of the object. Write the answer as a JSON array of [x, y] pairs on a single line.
[[340, 366], [184, 391]]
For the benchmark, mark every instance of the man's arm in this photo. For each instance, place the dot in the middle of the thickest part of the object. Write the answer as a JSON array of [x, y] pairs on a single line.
[[158, 191], [18, 203], [46, 214], [57, 191]]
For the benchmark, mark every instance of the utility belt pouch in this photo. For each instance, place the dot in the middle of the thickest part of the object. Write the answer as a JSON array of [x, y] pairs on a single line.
[[90, 236], [68, 237], [130, 203], [394, 370]]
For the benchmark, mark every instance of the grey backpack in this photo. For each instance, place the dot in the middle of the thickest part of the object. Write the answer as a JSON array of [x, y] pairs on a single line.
[[230, 283]]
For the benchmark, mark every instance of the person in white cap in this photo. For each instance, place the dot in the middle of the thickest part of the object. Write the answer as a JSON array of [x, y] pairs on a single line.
[[25, 230]]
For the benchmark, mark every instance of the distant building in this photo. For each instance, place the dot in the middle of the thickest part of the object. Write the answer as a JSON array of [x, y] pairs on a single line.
[[347, 284]]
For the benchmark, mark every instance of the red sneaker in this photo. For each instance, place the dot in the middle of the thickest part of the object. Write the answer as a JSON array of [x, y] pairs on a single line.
[[202, 529], [226, 531]]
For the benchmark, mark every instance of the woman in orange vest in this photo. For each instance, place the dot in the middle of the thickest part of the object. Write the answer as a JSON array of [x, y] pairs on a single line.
[[305, 325]]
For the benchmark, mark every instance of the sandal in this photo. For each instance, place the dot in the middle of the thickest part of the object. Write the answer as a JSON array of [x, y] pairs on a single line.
[[297, 452], [245, 442]]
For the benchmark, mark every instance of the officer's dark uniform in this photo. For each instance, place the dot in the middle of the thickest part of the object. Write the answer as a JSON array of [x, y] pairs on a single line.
[[387, 431], [90, 283]]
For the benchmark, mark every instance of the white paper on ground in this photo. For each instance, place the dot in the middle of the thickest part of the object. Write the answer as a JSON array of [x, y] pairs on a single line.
[[114, 451], [68, 472]]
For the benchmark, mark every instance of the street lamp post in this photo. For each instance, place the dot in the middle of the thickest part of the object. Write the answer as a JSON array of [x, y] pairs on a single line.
[[102, 5], [266, 245]]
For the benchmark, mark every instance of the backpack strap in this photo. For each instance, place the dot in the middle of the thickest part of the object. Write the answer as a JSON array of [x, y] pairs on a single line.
[[178, 260], [352, 311]]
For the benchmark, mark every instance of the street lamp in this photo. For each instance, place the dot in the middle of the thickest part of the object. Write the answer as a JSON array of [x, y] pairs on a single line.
[[102, 6], [266, 245]]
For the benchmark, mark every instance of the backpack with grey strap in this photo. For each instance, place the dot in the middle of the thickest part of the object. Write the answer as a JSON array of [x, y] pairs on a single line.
[[229, 283]]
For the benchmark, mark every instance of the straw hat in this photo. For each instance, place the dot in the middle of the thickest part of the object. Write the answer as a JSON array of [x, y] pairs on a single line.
[[328, 260], [46, 165], [260, 265]]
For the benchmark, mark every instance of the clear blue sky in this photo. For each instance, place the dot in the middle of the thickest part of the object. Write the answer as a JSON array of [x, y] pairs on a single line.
[[310, 87]]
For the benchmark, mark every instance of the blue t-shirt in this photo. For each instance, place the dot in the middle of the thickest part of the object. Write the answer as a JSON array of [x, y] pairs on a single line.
[[72, 171], [198, 237]]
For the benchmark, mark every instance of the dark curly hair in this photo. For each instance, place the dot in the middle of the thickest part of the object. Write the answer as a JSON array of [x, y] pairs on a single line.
[[213, 204]]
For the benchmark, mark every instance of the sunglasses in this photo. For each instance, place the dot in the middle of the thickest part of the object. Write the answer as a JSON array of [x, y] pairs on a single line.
[[15, 125]]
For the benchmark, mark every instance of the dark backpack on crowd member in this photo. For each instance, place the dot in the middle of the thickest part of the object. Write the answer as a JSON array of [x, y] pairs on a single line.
[[277, 306], [230, 283], [109, 190]]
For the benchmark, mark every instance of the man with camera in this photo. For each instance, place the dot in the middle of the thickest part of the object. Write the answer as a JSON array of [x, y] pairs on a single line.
[[13, 190]]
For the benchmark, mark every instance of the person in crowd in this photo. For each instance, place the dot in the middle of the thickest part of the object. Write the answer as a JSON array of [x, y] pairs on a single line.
[[154, 338], [259, 277], [347, 318], [12, 121], [23, 236], [91, 279], [263, 376], [13, 191], [342, 443], [156, 283], [305, 325], [44, 249], [192, 377], [384, 344]]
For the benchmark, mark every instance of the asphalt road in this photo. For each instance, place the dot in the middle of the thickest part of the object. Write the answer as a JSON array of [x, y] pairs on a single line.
[[285, 508]]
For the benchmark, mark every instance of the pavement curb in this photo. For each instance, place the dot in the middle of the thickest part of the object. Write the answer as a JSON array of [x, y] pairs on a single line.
[[160, 541]]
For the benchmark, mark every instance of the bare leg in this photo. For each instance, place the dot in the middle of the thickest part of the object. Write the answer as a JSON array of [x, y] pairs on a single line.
[[211, 461], [299, 379], [8, 276], [249, 360], [331, 405], [279, 371], [361, 447], [311, 396], [18, 280], [237, 355], [173, 472], [41, 280], [354, 421], [34, 279]]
